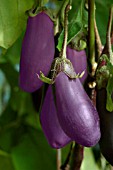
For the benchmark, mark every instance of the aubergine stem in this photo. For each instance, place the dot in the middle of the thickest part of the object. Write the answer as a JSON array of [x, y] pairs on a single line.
[[112, 36], [92, 33], [37, 5], [108, 35], [98, 40], [77, 157], [40, 3], [64, 45], [61, 12], [91, 36], [58, 158]]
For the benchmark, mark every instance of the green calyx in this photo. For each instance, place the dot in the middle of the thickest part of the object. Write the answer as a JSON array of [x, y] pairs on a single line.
[[33, 12], [80, 45], [104, 79], [102, 72], [60, 65], [79, 41]]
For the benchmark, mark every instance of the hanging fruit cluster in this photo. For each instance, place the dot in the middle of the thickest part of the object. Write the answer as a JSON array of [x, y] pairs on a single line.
[[67, 112]]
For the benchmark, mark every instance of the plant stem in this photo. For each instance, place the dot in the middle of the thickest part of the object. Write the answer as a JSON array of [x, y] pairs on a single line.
[[40, 2], [64, 45], [77, 157], [98, 40], [91, 18], [58, 155], [5, 154], [112, 36], [108, 35]]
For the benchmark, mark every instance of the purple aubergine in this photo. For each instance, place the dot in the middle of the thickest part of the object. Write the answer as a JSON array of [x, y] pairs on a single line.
[[79, 61], [37, 51], [50, 124], [106, 126], [76, 113]]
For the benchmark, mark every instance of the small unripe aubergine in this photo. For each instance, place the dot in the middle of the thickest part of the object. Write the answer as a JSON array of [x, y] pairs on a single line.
[[50, 124], [37, 51], [76, 113], [79, 61], [106, 126]]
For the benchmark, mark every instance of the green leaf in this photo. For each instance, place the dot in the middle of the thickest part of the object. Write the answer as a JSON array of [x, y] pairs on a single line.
[[88, 157], [102, 15], [74, 29], [5, 161], [10, 135], [76, 25], [12, 20], [7, 116], [33, 153], [10, 73], [13, 53]]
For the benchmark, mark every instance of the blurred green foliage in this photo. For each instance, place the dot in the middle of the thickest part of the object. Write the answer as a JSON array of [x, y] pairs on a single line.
[[22, 143]]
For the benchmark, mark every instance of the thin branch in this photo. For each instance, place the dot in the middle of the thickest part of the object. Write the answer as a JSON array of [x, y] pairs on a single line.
[[77, 157], [112, 37], [58, 157], [91, 34], [98, 40], [64, 45], [108, 36]]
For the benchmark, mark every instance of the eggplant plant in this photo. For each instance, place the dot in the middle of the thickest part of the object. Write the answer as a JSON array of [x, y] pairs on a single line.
[[67, 113], [65, 75], [76, 114]]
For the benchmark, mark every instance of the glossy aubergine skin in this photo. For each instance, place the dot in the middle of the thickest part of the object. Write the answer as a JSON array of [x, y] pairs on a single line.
[[37, 51], [76, 113], [50, 124], [106, 126], [79, 61]]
